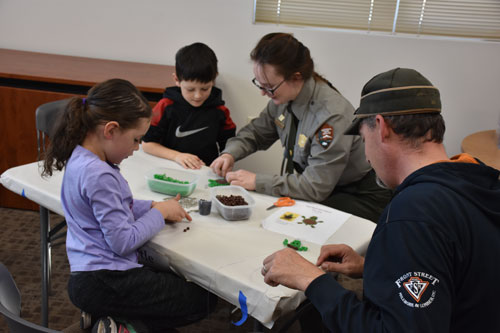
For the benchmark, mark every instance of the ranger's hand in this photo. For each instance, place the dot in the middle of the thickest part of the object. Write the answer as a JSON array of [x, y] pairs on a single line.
[[243, 178], [222, 164]]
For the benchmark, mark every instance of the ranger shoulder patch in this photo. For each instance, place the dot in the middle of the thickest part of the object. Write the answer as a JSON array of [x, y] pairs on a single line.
[[325, 135]]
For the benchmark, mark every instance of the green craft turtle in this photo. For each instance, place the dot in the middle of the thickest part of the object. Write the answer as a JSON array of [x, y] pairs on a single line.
[[296, 245]]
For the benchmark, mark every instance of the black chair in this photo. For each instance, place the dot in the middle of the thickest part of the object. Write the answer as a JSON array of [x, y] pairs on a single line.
[[46, 116], [10, 306]]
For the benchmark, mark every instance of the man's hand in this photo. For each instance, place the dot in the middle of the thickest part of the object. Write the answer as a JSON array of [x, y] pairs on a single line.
[[341, 258], [290, 269], [243, 178], [222, 164], [189, 161], [171, 209]]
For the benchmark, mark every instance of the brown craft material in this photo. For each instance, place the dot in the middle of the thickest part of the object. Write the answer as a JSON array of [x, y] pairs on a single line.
[[232, 200]]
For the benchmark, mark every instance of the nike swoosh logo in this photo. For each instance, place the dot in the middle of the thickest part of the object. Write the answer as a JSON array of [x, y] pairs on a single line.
[[180, 134]]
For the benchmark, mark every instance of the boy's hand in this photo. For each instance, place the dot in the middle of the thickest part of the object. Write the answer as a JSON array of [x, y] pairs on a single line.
[[341, 258], [172, 210], [189, 161], [222, 164]]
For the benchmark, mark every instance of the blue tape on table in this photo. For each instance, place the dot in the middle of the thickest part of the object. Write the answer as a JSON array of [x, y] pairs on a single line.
[[22, 193], [244, 310]]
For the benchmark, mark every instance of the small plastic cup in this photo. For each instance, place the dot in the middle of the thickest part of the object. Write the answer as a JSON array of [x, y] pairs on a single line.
[[204, 207]]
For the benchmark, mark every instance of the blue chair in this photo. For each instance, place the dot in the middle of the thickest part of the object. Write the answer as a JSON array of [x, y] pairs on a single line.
[[10, 306]]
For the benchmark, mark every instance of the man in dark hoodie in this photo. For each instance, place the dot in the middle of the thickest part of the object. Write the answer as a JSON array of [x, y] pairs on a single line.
[[190, 124], [431, 265]]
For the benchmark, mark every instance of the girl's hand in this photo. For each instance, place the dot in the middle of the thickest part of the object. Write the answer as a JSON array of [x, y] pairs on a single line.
[[189, 161], [171, 209]]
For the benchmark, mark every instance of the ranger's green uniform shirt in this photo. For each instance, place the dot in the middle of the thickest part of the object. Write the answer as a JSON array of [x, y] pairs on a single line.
[[339, 162]]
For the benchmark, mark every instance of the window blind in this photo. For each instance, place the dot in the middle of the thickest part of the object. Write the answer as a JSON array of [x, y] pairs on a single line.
[[469, 19]]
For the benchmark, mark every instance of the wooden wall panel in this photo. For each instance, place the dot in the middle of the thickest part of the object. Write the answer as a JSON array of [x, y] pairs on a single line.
[[29, 79], [18, 134]]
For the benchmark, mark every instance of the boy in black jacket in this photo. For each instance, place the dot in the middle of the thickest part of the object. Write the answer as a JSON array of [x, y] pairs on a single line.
[[190, 124]]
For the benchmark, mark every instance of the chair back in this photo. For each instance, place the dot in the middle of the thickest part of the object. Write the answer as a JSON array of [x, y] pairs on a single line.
[[46, 116], [10, 297], [10, 306]]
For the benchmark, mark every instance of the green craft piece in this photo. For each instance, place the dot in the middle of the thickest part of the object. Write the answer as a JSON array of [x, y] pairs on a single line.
[[169, 179], [296, 245], [216, 182]]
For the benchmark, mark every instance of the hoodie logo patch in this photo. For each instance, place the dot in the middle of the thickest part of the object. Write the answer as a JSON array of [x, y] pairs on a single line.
[[182, 134], [417, 289]]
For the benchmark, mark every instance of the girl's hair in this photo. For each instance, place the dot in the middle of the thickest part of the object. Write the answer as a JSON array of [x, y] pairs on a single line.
[[112, 100], [287, 55]]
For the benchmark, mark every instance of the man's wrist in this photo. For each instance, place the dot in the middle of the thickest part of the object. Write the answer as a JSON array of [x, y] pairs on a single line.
[[307, 280]]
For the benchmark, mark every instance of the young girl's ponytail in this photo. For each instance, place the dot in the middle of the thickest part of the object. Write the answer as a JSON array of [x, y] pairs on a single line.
[[69, 130], [112, 100]]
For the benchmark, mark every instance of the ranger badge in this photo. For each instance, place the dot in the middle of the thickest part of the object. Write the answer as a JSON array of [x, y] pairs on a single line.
[[280, 121]]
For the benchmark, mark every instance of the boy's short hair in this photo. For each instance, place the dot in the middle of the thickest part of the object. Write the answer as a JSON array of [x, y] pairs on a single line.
[[196, 62]]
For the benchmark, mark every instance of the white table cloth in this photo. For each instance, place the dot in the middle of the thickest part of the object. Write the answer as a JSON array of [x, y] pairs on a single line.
[[222, 256]]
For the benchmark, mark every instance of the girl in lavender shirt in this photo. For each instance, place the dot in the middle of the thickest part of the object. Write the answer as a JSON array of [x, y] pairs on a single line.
[[106, 225]]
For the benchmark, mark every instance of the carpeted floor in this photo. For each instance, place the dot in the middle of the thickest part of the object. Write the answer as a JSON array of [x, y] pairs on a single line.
[[20, 252]]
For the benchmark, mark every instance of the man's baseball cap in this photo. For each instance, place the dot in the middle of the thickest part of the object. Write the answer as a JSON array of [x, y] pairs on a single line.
[[400, 91]]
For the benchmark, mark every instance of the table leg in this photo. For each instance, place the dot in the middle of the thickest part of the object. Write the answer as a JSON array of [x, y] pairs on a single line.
[[44, 258]]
